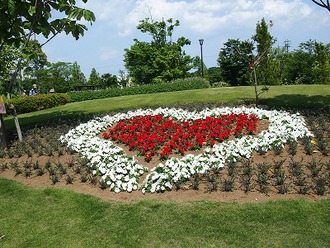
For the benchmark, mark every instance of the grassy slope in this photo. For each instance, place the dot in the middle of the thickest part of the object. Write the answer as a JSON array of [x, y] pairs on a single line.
[[298, 96], [60, 218]]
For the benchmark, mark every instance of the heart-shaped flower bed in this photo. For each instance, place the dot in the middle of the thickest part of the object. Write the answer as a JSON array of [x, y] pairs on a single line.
[[122, 172], [153, 135]]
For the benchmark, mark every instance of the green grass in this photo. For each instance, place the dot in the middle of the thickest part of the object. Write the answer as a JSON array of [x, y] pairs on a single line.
[[291, 96], [61, 218]]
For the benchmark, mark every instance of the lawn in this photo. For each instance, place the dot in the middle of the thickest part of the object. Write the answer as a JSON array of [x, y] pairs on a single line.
[[51, 217], [294, 96], [60, 218]]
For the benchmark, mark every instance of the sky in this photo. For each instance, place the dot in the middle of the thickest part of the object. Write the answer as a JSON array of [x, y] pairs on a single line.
[[215, 21]]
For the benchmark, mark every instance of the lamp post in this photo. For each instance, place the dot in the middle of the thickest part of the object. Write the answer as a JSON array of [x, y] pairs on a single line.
[[202, 64]]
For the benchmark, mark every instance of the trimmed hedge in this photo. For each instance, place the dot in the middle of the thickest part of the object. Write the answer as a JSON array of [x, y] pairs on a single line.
[[26, 104], [176, 85]]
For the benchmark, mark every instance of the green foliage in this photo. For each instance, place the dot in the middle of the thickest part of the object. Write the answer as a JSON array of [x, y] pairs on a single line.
[[28, 104], [22, 17], [60, 76], [309, 64], [214, 75], [263, 38], [160, 59], [263, 62], [197, 65], [94, 78], [234, 60], [175, 85], [31, 58], [321, 65], [108, 80]]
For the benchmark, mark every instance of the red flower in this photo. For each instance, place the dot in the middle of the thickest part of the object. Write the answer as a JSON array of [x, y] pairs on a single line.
[[157, 135]]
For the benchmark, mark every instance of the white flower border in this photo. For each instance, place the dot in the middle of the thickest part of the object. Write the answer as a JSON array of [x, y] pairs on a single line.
[[122, 173]]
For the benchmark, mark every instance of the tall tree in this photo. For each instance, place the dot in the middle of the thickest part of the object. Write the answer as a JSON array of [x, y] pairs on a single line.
[[158, 60], [78, 77], [31, 58], [109, 81], [94, 78], [234, 60], [264, 41]]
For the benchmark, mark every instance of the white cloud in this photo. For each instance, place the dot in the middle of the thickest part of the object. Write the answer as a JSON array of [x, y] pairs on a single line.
[[108, 53], [200, 16]]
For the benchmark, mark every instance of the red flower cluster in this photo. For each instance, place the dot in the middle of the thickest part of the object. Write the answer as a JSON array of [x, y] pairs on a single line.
[[154, 135]]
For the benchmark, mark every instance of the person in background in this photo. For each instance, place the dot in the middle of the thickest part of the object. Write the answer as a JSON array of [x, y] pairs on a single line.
[[33, 91]]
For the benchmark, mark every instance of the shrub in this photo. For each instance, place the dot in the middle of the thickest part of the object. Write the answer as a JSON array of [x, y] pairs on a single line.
[[175, 85], [28, 104]]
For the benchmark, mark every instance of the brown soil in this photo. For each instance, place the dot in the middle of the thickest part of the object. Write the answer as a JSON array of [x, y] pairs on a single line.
[[186, 192]]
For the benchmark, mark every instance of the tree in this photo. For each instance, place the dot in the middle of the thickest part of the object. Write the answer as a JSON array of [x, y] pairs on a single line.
[[321, 65], [94, 78], [322, 4], [9, 56], [264, 41], [309, 64], [234, 60], [78, 77], [109, 81], [158, 60], [31, 58], [196, 63], [21, 19], [214, 74], [276, 63], [123, 79], [60, 76]]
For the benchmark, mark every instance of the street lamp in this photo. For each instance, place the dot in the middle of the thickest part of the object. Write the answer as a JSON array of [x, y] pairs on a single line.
[[202, 64]]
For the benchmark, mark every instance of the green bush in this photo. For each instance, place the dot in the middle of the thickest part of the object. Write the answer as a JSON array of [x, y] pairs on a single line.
[[176, 85], [26, 104]]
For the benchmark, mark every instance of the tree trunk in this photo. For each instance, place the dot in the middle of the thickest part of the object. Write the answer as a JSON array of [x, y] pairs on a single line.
[[256, 86], [3, 136]]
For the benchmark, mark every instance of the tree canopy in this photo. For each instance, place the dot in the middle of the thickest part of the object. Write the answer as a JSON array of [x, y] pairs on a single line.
[[234, 60], [264, 42], [20, 20], [158, 60]]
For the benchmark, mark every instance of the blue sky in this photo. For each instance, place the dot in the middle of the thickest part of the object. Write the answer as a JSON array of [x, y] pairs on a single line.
[[215, 21]]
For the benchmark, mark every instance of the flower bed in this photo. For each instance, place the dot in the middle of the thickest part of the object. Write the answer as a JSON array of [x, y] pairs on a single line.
[[122, 172]]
